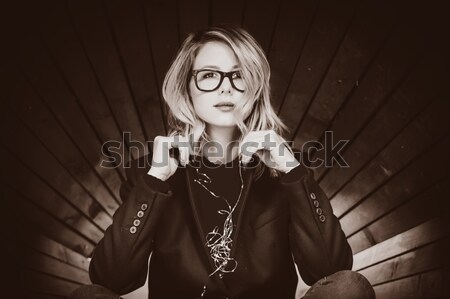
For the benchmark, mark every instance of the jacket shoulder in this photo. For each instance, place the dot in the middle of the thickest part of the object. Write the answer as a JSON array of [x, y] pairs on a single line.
[[138, 167]]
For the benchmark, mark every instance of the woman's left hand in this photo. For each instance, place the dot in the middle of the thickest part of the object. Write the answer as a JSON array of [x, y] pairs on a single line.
[[271, 148]]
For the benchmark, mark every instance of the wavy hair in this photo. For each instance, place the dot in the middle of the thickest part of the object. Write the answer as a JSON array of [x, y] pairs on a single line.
[[255, 71]]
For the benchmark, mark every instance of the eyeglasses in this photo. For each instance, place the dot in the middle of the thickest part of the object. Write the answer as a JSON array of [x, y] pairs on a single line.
[[210, 80]]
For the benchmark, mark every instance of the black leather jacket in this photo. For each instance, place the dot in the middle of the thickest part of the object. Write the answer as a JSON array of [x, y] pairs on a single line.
[[282, 220]]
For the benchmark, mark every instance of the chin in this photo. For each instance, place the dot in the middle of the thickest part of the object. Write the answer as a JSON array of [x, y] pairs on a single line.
[[222, 124], [218, 121]]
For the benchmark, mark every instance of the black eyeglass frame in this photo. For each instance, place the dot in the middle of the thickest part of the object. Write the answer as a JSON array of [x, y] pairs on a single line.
[[223, 75]]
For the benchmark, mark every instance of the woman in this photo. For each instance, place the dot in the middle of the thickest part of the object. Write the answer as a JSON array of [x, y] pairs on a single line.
[[229, 212]]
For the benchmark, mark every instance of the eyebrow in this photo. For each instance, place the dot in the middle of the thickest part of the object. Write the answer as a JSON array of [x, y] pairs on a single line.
[[216, 67]]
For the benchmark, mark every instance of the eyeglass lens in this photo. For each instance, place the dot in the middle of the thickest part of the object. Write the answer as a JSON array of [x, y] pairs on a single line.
[[210, 80]]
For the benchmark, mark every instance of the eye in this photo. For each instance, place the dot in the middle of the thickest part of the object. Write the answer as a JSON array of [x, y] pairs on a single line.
[[207, 75], [237, 75]]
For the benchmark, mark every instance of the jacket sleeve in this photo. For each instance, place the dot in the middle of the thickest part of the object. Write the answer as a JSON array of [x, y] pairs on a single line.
[[120, 260], [318, 244]]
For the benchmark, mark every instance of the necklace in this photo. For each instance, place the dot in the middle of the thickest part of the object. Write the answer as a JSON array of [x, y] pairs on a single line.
[[219, 243]]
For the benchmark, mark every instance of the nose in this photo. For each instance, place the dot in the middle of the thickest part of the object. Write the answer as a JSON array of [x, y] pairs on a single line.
[[226, 86]]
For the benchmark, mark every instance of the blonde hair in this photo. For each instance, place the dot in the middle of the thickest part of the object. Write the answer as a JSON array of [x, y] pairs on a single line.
[[255, 71]]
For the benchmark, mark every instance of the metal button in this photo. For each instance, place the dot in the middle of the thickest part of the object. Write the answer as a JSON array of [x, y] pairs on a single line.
[[316, 203], [322, 218], [133, 229], [144, 207], [313, 196], [140, 214], [136, 222], [319, 211]]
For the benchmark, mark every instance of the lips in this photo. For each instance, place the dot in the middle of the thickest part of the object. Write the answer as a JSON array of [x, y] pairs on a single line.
[[224, 104]]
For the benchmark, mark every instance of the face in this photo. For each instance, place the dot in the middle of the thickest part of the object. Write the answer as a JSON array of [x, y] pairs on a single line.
[[216, 56]]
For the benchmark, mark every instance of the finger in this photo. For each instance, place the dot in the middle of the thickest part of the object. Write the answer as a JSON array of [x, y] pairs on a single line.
[[179, 142], [254, 138], [264, 156], [186, 151], [173, 145], [249, 150]]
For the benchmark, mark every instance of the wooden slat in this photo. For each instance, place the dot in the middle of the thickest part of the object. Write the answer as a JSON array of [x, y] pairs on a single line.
[[28, 235], [42, 125], [420, 235], [324, 37], [43, 164], [74, 65], [92, 25], [11, 26], [410, 181], [193, 15], [33, 223], [430, 285], [420, 260], [58, 251], [395, 254], [162, 29], [260, 19], [43, 283], [426, 205], [43, 263], [290, 35], [34, 295], [47, 198], [40, 72], [227, 12], [428, 128], [50, 89], [40, 69], [366, 34], [58, 222], [413, 96], [129, 29], [389, 68]]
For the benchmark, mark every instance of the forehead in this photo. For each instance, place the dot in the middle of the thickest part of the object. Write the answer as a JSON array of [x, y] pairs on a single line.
[[216, 54]]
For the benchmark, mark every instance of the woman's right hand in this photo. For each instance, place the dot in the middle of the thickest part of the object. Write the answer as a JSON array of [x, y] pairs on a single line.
[[164, 165]]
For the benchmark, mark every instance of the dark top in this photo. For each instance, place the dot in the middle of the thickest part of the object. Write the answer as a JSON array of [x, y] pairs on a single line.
[[216, 193], [222, 180]]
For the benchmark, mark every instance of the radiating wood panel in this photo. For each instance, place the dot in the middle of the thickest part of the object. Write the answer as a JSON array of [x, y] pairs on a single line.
[[364, 35], [406, 259], [290, 34], [70, 57], [419, 90], [163, 33], [227, 12], [78, 75], [329, 26], [428, 204], [97, 36]]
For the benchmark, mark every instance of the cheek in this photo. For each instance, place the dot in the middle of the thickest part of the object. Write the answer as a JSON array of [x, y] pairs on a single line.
[[195, 96], [200, 102], [246, 112]]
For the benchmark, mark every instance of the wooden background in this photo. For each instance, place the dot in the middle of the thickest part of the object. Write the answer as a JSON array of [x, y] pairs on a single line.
[[75, 74]]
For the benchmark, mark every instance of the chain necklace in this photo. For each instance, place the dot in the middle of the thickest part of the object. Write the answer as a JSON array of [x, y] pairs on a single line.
[[219, 243]]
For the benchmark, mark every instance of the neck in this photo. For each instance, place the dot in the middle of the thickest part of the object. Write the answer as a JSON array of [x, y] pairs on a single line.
[[222, 138]]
